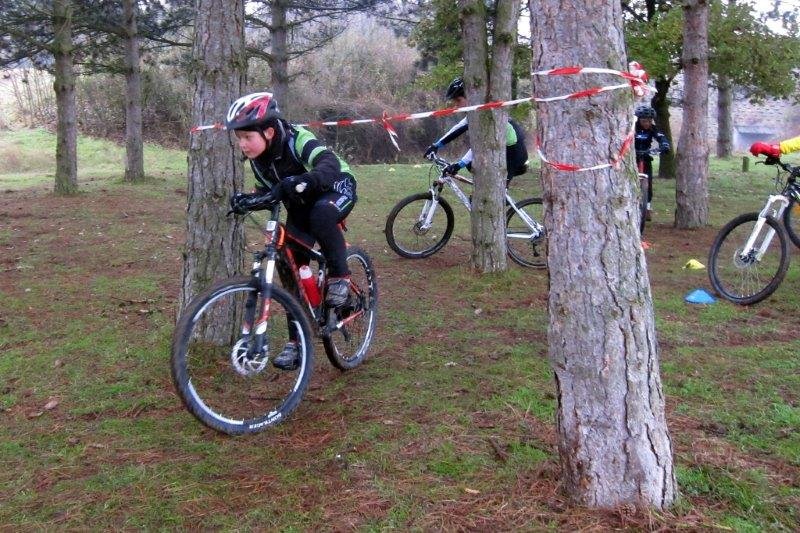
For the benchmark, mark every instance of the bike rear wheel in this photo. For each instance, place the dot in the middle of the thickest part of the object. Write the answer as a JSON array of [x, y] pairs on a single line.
[[791, 220], [348, 344], [747, 279], [222, 385], [525, 246], [406, 232]]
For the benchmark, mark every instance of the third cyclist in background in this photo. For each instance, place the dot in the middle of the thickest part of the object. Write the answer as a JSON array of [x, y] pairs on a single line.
[[646, 132]]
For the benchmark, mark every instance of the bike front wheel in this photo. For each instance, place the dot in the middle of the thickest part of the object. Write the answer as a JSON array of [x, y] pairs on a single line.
[[748, 278], [408, 231], [526, 245], [791, 219], [224, 383], [351, 327]]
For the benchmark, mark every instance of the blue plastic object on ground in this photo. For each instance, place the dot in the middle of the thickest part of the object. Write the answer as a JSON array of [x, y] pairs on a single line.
[[699, 296]]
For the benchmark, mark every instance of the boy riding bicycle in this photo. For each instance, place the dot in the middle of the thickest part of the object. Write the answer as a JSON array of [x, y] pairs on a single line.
[[646, 132], [316, 186], [516, 153]]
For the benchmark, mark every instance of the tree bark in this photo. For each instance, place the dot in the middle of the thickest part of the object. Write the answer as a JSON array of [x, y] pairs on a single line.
[[487, 76], [691, 186], [214, 242], [134, 147], [280, 52], [613, 442], [724, 117], [660, 102], [64, 85]]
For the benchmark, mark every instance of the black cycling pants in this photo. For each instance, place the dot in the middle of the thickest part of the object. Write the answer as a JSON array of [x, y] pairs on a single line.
[[648, 169], [318, 222], [516, 159]]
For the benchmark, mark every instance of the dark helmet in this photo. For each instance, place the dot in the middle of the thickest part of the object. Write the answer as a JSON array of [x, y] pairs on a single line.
[[252, 112], [645, 111], [455, 89]]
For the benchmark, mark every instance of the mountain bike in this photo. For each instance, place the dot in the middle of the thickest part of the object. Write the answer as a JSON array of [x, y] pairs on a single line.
[[644, 184], [747, 262], [225, 339], [421, 224]]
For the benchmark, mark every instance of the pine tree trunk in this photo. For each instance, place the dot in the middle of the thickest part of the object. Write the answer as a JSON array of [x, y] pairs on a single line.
[[134, 148], [64, 86], [724, 117], [613, 442], [280, 55], [214, 242], [691, 185], [660, 102], [488, 77]]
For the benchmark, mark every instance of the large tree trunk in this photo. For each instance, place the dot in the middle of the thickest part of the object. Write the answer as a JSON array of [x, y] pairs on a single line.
[[691, 187], [724, 117], [660, 102], [214, 242], [64, 86], [279, 52], [613, 442], [488, 78], [134, 149]]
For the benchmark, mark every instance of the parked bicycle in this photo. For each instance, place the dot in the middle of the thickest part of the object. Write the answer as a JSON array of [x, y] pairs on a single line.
[[749, 257], [227, 336], [421, 224]]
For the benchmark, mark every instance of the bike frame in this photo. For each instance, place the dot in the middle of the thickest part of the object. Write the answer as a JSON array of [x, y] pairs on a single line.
[[429, 208], [276, 237]]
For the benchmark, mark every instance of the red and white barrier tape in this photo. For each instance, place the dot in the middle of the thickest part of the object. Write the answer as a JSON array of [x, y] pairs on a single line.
[[637, 81], [615, 160]]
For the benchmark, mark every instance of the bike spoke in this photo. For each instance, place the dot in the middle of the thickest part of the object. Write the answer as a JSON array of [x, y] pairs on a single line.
[[743, 277], [226, 376]]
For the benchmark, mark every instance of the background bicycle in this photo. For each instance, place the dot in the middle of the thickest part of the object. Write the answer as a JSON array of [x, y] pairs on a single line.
[[749, 257], [225, 340], [420, 225]]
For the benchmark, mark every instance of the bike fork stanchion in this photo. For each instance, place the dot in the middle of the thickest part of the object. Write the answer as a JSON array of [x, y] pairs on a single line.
[[773, 199], [428, 210]]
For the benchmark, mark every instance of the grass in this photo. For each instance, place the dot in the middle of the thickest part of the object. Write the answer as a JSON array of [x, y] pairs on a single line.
[[448, 425]]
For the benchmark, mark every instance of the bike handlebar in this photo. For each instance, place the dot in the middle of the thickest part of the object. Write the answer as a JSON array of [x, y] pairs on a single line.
[[777, 162]]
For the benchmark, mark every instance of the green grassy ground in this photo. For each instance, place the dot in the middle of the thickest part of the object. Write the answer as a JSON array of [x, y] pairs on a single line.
[[449, 424]]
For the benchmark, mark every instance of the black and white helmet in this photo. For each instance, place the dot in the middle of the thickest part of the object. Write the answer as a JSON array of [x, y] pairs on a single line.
[[645, 111], [253, 111], [455, 89]]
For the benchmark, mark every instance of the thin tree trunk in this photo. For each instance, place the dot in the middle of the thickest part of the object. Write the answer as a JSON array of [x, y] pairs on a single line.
[[613, 442], [488, 78], [280, 55], [724, 117], [660, 102], [64, 86], [691, 185], [134, 149], [214, 242]]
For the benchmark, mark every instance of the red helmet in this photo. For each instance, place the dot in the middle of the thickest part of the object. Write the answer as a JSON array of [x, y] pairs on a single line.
[[253, 111]]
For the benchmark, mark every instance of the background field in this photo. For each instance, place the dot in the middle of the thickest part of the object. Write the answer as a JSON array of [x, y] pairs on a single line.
[[449, 424]]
